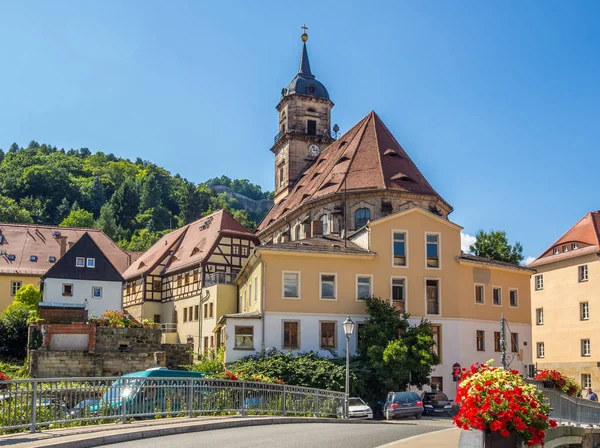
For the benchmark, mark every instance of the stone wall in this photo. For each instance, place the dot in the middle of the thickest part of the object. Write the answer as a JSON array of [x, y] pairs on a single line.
[[63, 315], [54, 364], [140, 340], [178, 355]]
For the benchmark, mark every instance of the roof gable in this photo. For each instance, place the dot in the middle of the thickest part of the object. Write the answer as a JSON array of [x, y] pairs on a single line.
[[399, 215]]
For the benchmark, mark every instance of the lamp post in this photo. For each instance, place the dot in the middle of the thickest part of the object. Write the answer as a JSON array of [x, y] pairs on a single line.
[[348, 330]]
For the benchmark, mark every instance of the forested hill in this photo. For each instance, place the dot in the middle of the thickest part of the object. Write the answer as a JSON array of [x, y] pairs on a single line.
[[133, 202]]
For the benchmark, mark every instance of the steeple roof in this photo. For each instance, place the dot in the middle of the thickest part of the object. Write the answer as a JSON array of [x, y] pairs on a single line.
[[367, 157], [304, 69], [305, 82]]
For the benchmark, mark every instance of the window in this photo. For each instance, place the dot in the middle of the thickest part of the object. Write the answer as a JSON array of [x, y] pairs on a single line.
[[325, 221], [327, 335], [541, 350], [67, 289], [185, 316], [480, 340], [211, 310], [398, 290], [96, 292], [186, 279], [128, 289], [291, 285], [539, 316], [363, 287], [290, 335], [212, 341], [556, 251], [33, 258], [196, 312], [179, 280], [399, 247], [156, 319], [195, 278], [249, 295], [51, 258], [205, 343], [255, 289], [586, 380], [361, 217], [236, 250], [328, 288], [91, 263], [280, 176], [514, 342], [497, 296], [585, 347], [574, 246], [433, 296], [437, 339], [565, 248], [298, 232], [583, 273], [539, 282], [244, 251], [585, 310], [433, 259], [14, 287], [244, 338], [205, 311], [156, 285], [497, 342], [479, 294], [79, 262], [513, 297], [311, 127]]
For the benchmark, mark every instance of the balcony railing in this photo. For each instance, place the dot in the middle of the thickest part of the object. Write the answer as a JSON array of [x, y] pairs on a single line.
[[169, 328], [219, 278], [281, 133]]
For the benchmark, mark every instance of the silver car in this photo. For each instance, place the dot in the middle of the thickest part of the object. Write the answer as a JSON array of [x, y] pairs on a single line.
[[402, 404]]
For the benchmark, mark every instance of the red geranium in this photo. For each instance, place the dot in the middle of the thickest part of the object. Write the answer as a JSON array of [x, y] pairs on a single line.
[[495, 399], [4, 377], [561, 382]]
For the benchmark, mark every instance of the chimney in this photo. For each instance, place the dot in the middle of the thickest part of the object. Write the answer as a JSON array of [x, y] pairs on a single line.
[[316, 228], [63, 244]]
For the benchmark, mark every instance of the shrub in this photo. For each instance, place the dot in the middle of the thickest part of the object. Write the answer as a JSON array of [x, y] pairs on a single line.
[[13, 331]]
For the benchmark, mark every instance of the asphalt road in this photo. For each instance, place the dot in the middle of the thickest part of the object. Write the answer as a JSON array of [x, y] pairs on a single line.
[[328, 435]]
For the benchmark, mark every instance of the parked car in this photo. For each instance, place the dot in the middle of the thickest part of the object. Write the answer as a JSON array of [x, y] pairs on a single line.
[[402, 404], [357, 408], [82, 409], [436, 403]]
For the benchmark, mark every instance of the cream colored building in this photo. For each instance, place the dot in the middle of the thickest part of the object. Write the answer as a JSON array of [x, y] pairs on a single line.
[[294, 296], [565, 303]]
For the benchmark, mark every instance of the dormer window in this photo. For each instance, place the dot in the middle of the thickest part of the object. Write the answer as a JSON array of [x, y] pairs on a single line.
[[51, 258], [12, 257], [556, 251], [565, 248], [33, 258], [312, 89], [1, 238], [574, 246]]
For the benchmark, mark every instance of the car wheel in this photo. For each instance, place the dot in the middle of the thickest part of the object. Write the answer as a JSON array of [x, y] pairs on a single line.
[[418, 416]]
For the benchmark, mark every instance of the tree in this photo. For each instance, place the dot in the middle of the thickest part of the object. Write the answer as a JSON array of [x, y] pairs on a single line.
[[13, 331], [97, 196], [63, 209], [494, 245], [193, 202], [28, 296], [150, 193], [125, 203], [12, 212], [107, 222], [142, 240], [36, 209], [79, 218]]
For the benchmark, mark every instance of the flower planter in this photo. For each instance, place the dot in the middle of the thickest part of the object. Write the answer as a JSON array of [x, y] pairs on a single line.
[[482, 439]]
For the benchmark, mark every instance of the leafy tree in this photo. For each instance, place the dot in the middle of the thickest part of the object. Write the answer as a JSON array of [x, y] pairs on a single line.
[[79, 218], [495, 245], [36, 209], [244, 219], [10, 212], [150, 193], [13, 331], [125, 203], [193, 202], [142, 240], [107, 222], [97, 196], [28, 296]]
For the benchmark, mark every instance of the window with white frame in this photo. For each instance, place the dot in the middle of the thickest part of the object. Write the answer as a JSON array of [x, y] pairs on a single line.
[[249, 294], [399, 248], [585, 310], [583, 273], [361, 217], [291, 333], [497, 296], [513, 297], [291, 285], [245, 251], [585, 347], [235, 250], [244, 337], [91, 263], [328, 286], [540, 350], [539, 316], [363, 287], [325, 221], [96, 292], [80, 262], [67, 289], [14, 287], [586, 380], [565, 248], [327, 334], [479, 294], [539, 282], [398, 289], [255, 289], [433, 249], [432, 296], [574, 246], [298, 232], [555, 251]]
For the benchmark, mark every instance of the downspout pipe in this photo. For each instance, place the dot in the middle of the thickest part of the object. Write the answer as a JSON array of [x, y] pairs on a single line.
[[263, 300]]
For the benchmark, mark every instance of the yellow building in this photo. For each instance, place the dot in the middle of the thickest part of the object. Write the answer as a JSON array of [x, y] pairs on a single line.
[[565, 295], [294, 296]]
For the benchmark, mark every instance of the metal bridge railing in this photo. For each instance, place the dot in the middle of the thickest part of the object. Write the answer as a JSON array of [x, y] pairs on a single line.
[[566, 408], [31, 404]]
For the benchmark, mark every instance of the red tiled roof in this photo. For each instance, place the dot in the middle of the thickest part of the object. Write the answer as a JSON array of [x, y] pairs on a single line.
[[27, 240], [585, 233], [367, 157], [189, 244]]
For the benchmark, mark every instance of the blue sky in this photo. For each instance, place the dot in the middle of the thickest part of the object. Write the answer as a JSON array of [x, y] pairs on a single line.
[[496, 102]]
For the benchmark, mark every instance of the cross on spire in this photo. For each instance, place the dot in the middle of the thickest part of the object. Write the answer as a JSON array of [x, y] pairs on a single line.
[[304, 27], [304, 36]]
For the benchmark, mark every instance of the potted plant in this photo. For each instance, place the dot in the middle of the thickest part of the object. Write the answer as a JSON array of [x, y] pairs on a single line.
[[553, 379], [3, 378], [147, 323], [93, 320], [497, 408], [114, 318]]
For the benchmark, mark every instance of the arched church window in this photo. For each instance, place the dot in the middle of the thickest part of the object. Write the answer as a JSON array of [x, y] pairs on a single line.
[[280, 174], [298, 233], [325, 221], [361, 217]]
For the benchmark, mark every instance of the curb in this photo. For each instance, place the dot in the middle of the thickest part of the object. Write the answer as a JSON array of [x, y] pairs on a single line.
[[129, 434]]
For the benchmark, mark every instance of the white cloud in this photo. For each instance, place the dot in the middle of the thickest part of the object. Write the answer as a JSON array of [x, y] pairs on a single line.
[[528, 260], [465, 241]]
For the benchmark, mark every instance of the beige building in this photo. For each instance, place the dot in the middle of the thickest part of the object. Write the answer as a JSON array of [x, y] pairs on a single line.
[[565, 295], [294, 296]]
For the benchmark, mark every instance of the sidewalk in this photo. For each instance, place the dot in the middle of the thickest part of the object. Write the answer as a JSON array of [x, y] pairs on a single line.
[[438, 439]]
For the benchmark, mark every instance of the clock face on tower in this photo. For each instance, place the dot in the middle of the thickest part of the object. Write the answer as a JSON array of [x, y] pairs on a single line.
[[313, 151]]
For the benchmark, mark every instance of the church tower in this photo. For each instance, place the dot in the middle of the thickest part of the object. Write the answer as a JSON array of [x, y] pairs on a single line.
[[304, 125]]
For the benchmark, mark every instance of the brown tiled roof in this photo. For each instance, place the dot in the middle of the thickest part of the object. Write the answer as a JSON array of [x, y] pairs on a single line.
[[367, 157], [27, 240], [189, 245], [585, 233], [326, 244], [491, 262]]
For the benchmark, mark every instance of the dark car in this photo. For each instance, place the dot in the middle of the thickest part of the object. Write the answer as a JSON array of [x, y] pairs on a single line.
[[436, 403], [402, 404]]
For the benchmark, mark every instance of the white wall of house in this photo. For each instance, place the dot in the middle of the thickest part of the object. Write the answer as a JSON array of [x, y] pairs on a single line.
[[82, 289], [232, 353]]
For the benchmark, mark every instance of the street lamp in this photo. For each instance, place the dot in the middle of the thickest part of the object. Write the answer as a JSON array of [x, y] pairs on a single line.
[[348, 330]]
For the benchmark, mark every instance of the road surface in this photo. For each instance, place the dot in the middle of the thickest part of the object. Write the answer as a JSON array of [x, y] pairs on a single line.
[[299, 435]]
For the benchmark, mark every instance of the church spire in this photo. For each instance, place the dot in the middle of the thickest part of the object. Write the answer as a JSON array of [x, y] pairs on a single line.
[[304, 69]]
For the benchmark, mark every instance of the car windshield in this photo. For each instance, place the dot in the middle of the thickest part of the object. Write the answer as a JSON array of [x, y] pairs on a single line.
[[436, 397], [356, 402], [122, 388], [404, 397]]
